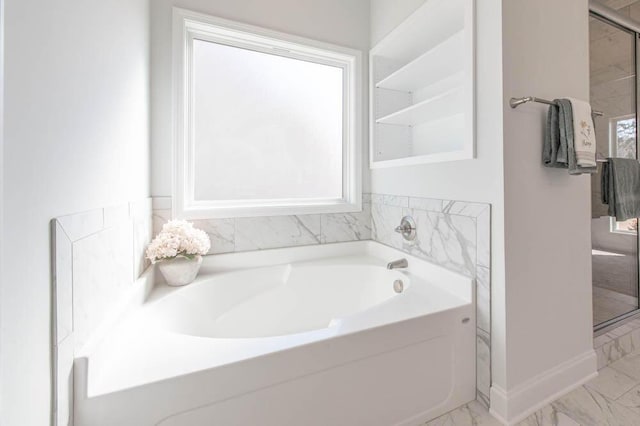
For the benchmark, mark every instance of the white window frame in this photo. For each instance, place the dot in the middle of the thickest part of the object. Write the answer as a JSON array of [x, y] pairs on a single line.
[[188, 26], [613, 152]]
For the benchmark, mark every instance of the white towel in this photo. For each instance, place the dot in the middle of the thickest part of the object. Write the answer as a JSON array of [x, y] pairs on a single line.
[[584, 134]]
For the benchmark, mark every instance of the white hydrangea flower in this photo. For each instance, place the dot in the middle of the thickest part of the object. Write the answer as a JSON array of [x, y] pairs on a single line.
[[178, 238]]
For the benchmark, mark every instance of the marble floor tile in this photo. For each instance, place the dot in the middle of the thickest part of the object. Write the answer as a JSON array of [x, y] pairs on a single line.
[[612, 399], [445, 420], [614, 350], [612, 383], [601, 340], [473, 414], [629, 365], [590, 408], [631, 400], [548, 417], [564, 420]]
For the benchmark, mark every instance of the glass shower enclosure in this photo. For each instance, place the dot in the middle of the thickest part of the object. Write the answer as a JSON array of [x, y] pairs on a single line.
[[614, 244]]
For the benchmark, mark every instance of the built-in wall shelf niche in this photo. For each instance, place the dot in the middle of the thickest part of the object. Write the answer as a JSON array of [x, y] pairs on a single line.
[[422, 87]]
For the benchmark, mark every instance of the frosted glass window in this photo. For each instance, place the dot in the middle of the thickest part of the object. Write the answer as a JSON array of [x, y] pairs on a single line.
[[265, 123], [265, 126]]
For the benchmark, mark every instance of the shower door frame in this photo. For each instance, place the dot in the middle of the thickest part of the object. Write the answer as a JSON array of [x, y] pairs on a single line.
[[612, 17]]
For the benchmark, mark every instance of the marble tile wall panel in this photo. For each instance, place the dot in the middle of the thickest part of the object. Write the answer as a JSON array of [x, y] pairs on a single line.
[[257, 233], [617, 343], [159, 218], [95, 255], [267, 232], [445, 239], [463, 208], [140, 213], [452, 234], [483, 364], [430, 204], [384, 220], [114, 215], [483, 298], [342, 227], [102, 268], [63, 326], [63, 382], [62, 283], [80, 225], [221, 232], [483, 238]]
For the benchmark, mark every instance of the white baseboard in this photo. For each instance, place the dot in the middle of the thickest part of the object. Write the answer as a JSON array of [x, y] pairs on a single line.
[[513, 406]]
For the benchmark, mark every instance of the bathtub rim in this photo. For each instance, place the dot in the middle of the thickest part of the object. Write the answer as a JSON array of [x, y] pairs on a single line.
[[252, 259], [458, 285], [151, 280]]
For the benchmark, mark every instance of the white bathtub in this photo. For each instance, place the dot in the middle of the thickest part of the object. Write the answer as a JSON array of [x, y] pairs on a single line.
[[301, 336]]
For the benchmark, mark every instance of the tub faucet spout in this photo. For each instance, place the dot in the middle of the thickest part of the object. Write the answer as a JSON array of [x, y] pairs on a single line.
[[400, 263]]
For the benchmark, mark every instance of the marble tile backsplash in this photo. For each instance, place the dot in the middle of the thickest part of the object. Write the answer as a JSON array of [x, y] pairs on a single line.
[[259, 233], [447, 230]]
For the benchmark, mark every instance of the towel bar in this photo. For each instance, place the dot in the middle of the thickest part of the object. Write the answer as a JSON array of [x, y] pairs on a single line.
[[515, 102]]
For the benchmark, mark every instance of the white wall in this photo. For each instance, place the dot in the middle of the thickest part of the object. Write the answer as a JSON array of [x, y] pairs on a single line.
[[386, 15], [75, 138], [547, 212], [479, 180], [341, 22]]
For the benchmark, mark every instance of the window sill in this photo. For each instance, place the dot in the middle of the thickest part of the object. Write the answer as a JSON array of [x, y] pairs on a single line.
[[225, 212]]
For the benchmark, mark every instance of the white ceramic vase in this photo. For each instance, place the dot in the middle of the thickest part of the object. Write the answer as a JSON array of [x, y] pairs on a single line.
[[180, 270]]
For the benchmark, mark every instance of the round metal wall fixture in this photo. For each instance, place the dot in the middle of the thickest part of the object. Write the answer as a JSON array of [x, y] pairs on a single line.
[[407, 228]]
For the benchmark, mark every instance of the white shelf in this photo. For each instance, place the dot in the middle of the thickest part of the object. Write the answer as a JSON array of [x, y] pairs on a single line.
[[438, 157], [434, 65], [422, 88], [428, 26], [432, 109]]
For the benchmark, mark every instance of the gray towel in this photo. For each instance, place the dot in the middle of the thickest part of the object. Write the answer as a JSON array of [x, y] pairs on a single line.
[[621, 187], [559, 149]]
